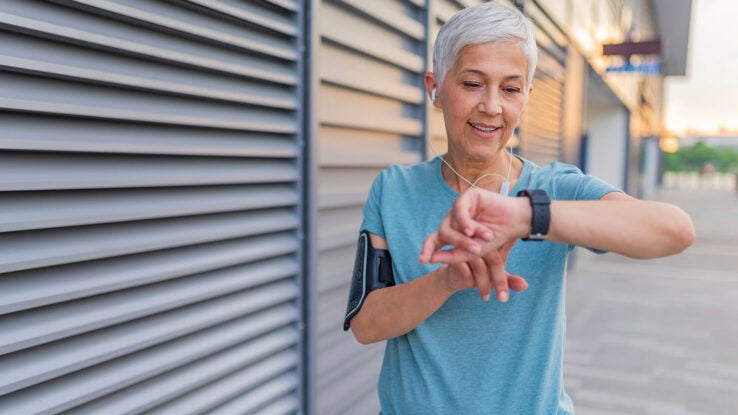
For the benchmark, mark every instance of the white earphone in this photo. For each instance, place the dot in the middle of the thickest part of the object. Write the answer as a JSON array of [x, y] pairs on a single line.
[[433, 95]]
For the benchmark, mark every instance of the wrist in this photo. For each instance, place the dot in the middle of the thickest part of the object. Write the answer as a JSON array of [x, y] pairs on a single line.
[[540, 204], [525, 217], [443, 280]]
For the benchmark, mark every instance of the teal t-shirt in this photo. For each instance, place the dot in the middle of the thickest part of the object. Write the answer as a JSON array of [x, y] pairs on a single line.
[[471, 356]]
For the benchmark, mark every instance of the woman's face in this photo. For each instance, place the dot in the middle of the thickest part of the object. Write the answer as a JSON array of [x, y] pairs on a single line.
[[482, 97]]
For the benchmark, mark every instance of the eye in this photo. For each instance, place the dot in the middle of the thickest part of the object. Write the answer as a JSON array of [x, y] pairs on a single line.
[[512, 90], [471, 84]]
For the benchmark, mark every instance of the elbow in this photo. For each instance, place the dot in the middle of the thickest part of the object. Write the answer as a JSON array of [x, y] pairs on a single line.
[[363, 338], [686, 236], [682, 233], [674, 234], [362, 328], [362, 335]]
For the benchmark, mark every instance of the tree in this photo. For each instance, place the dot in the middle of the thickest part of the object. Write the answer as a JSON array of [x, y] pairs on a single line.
[[694, 157]]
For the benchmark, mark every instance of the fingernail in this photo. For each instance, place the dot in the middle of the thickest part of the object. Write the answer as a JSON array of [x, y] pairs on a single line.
[[486, 297], [502, 295]]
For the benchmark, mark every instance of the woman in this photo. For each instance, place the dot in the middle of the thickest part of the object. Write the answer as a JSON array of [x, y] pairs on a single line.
[[449, 349]]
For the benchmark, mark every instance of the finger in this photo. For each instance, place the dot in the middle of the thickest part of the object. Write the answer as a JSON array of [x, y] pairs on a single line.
[[481, 277], [499, 276], [430, 245], [464, 210], [450, 236], [451, 256], [516, 282]]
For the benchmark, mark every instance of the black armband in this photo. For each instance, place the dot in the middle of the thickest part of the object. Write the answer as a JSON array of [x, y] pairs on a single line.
[[372, 270]]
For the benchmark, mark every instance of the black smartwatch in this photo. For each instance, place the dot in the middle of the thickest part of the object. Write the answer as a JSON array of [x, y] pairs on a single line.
[[541, 205]]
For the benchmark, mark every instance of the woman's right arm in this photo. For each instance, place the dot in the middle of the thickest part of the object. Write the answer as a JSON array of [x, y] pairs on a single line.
[[393, 311]]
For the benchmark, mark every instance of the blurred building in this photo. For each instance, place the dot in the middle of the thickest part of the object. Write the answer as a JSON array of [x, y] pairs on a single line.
[[181, 183]]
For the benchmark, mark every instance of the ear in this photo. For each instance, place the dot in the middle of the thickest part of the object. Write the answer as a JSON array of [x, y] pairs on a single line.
[[430, 85]]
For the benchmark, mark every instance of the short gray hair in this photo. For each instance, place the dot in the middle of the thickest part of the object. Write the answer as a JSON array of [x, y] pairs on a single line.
[[482, 23]]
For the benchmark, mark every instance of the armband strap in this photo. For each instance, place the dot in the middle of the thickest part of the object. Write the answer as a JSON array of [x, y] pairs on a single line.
[[372, 270]]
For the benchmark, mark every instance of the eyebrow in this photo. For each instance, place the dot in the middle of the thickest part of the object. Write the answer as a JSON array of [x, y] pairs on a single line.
[[482, 73]]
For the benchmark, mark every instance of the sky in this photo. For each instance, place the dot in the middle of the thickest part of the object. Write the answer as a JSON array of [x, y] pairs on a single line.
[[706, 99]]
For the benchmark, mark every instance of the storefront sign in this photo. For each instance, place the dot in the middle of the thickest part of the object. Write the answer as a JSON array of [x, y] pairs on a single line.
[[650, 68]]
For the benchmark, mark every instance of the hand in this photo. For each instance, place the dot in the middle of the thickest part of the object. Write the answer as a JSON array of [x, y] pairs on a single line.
[[484, 273], [478, 223]]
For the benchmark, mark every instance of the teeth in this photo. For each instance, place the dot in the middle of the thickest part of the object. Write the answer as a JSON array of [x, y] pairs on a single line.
[[486, 130]]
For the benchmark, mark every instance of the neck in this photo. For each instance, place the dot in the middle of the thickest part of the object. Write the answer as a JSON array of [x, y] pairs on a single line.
[[489, 174]]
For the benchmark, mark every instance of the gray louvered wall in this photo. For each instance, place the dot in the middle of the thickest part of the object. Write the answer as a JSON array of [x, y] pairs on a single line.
[[541, 125], [369, 114], [439, 12], [150, 206], [153, 195]]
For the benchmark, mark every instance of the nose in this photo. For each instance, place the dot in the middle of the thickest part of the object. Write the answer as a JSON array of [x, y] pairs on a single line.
[[490, 103]]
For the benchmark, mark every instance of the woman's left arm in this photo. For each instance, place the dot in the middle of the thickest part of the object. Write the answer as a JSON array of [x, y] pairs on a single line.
[[481, 221], [622, 224]]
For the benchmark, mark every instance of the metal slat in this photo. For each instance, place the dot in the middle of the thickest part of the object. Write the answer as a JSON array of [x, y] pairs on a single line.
[[34, 249], [246, 68], [32, 54], [30, 93], [28, 106], [266, 394], [354, 386], [38, 210], [352, 110], [285, 405], [289, 5], [76, 389], [343, 68], [24, 87], [33, 327], [112, 79], [533, 131], [362, 37], [31, 132], [143, 396], [240, 392], [42, 363], [103, 276], [43, 171], [151, 15], [399, 22], [249, 13]]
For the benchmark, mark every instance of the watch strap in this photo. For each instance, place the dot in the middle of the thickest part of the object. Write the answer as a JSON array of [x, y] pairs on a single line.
[[540, 204]]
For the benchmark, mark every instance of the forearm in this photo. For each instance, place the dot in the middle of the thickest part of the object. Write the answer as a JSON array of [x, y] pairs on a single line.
[[393, 311], [627, 226]]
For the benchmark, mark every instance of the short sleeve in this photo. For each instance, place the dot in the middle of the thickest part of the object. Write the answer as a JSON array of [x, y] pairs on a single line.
[[372, 212], [570, 183]]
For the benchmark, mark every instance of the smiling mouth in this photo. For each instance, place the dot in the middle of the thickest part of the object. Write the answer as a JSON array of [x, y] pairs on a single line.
[[484, 129]]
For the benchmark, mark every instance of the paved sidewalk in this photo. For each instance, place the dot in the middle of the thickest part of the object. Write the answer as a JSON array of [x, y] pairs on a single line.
[[659, 336]]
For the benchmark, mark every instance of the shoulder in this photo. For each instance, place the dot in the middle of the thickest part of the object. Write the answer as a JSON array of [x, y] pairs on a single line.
[[565, 181], [411, 170], [547, 175], [401, 175]]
